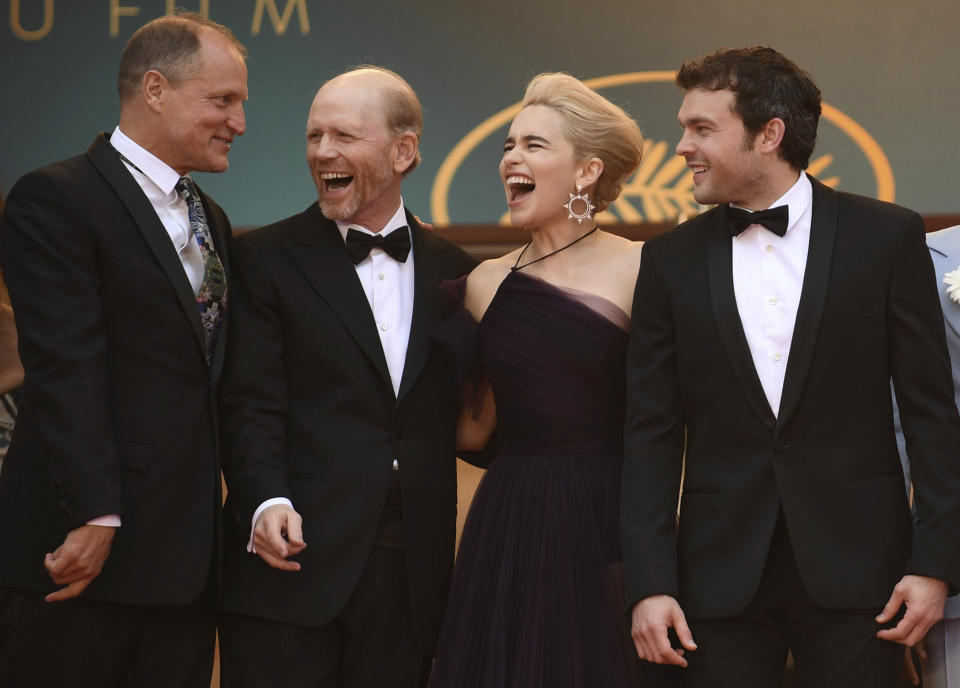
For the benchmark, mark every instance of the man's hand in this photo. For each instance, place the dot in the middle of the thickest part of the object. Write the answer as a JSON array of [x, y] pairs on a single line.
[[652, 617], [924, 598], [278, 535], [78, 560]]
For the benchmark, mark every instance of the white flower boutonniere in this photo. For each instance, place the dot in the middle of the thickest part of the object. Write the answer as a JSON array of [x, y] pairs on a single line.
[[952, 280]]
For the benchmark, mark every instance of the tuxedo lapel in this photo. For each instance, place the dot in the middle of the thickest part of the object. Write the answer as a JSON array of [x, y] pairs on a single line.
[[823, 231], [429, 264], [107, 161], [320, 254], [727, 317]]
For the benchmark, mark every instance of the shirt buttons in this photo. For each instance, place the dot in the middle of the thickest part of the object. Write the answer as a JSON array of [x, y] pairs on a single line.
[[773, 301], [777, 357], [768, 248], [380, 276], [384, 327]]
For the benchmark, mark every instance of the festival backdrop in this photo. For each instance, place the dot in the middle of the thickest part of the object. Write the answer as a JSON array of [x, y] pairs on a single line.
[[887, 71]]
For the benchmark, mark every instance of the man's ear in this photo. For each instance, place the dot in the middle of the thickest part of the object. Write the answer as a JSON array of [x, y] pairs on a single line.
[[154, 88], [771, 136], [405, 151]]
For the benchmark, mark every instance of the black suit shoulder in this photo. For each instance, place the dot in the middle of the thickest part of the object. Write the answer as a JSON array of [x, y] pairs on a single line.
[[463, 260]]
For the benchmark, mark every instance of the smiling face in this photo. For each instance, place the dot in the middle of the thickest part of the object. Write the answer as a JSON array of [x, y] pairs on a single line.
[[354, 157], [726, 165], [538, 168], [200, 117]]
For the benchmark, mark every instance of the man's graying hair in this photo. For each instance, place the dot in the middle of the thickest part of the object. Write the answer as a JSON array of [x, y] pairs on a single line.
[[168, 45]]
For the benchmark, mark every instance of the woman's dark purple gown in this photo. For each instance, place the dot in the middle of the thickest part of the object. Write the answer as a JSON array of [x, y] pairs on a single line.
[[536, 599]]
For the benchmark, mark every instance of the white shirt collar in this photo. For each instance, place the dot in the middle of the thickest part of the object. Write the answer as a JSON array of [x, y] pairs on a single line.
[[153, 168], [797, 199], [399, 219]]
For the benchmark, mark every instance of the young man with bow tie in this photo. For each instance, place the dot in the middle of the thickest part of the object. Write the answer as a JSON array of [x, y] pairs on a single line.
[[765, 335], [339, 417]]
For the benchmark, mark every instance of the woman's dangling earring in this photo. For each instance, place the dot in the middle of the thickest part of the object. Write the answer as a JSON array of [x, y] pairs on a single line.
[[586, 213]]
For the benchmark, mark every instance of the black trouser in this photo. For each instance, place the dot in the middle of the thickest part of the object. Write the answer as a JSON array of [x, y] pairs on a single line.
[[830, 648], [80, 643], [369, 644]]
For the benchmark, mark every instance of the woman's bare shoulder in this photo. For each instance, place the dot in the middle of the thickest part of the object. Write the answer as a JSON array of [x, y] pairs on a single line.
[[483, 282]]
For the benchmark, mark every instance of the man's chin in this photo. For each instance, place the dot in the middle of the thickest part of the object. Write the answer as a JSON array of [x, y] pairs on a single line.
[[338, 212]]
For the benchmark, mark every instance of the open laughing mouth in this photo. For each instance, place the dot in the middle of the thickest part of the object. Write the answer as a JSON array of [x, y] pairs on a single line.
[[336, 181], [519, 187]]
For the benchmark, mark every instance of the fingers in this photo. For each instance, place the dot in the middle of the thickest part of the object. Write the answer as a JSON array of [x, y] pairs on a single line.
[[66, 565], [63, 571], [277, 562], [892, 606], [652, 619], [665, 654], [71, 591], [911, 629], [909, 669], [924, 598], [273, 534], [278, 535], [295, 541], [683, 630], [921, 649]]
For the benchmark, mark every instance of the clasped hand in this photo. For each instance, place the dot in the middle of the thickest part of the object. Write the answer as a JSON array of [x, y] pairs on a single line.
[[278, 534], [652, 617], [78, 560]]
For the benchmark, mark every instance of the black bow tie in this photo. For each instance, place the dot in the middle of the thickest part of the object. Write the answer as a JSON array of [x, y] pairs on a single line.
[[774, 219], [396, 244]]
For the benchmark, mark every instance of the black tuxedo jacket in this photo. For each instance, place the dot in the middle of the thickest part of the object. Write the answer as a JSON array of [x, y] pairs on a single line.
[[117, 412], [309, 413], [868, 313]]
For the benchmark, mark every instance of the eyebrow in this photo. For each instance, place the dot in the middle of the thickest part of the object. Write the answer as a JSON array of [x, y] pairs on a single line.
[[693, 121], [529, 138]]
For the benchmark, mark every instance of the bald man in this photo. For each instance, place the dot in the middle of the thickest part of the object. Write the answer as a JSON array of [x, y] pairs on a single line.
[[338, 417]]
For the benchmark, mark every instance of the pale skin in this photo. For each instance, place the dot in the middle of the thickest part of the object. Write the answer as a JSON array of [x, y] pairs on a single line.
[[602, 264], [711, 132], [346, 132]]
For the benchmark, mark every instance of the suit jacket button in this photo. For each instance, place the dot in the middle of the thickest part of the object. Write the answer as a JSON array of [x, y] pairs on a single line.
[[781, 447]]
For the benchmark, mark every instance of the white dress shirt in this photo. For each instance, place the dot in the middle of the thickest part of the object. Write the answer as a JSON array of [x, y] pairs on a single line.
[[157, 180], [767, 280], [388, 285]]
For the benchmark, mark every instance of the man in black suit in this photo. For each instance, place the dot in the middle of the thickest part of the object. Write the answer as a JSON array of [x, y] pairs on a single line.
[[339, 415], [110, 491], [763, 345]]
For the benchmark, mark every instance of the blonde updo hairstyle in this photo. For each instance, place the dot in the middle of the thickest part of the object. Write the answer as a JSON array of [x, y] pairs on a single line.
[[594, 126]]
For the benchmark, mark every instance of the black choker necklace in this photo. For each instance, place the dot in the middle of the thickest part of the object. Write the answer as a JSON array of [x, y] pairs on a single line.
[[517, 266]]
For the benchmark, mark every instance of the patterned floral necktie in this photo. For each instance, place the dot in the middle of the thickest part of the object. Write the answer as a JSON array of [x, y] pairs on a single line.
[[212, 298]]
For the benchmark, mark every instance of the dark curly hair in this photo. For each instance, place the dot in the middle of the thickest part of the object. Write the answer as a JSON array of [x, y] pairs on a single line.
[[765, 85]]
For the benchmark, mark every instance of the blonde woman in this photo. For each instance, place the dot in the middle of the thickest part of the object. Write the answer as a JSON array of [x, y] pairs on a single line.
[[536, 595]]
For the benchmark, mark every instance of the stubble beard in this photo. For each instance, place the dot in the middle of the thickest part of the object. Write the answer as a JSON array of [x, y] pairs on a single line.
[[367, 183]]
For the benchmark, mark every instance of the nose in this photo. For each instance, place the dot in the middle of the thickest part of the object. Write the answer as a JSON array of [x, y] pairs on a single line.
[[322, 148], [684, 147], [510, 156], [237, 121]]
